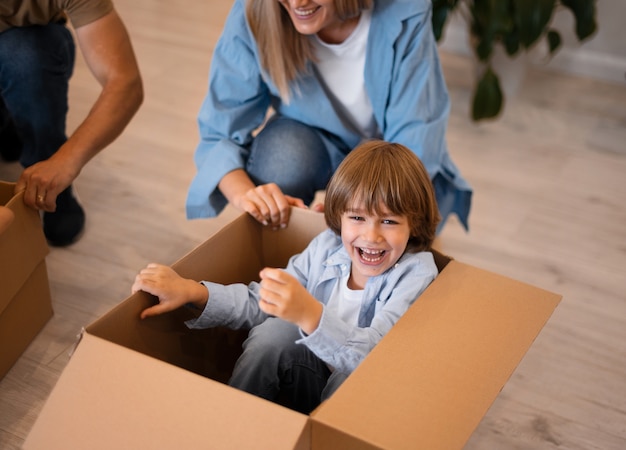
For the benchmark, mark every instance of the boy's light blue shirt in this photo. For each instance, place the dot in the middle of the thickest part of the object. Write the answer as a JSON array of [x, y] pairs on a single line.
[[403, 79], [385, 299]]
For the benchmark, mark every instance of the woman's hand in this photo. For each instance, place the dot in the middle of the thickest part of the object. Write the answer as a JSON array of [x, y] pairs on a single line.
[[172, 290], [283, 296], [267, 204]]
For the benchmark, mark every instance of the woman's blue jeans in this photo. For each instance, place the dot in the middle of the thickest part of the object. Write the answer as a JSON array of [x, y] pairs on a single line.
[[272, 366], [300, 159], [36, 63]]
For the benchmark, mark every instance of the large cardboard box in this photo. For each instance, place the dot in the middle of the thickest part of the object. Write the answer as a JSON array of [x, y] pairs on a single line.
[[25, 304], [154, 384]]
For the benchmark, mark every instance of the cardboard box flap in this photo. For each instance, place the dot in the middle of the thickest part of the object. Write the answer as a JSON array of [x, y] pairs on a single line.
[[24, 316], [110, 397], [213, 352], [278, 246], [255, 247], [6, 218], [225, 259], [442, 364], [24, 238], [7, 190], [131, 382]]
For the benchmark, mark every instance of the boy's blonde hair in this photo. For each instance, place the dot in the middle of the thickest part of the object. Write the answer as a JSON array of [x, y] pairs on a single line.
[[283, 51], [377, 175]]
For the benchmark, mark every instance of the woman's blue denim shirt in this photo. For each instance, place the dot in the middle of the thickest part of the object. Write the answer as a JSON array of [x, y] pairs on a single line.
[[385, 299], [403, 79]]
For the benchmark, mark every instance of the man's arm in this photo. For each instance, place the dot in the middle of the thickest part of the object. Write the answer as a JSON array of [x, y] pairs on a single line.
[[107, 50]]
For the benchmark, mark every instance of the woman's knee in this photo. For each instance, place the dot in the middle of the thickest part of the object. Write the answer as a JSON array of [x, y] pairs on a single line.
[[285, 132], [290, 154]]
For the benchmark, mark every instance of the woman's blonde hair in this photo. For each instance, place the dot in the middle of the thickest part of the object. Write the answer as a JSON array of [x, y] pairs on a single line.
[[284, 52], [377, 175]]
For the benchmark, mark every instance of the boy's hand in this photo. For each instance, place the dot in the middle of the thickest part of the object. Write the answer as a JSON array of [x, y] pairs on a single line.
[[172, 290], [283, 296]]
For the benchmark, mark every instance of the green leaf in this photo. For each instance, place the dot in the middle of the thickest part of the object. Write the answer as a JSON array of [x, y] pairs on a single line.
[[440, 15], [532, 18], [585, 14], [511, 43], [484, 47], [554, 40], [494, 15], [488, 99]]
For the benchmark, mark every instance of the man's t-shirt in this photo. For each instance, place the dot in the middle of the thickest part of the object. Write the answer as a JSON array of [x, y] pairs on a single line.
[[19, 13]]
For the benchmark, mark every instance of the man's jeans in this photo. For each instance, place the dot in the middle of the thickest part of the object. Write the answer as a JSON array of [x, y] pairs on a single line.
[[36, 63]]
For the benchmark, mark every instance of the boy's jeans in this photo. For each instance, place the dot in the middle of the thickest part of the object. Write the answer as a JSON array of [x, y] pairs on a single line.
[[274, 367]]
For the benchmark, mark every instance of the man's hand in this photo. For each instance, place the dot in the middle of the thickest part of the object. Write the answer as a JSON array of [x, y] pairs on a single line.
[[108, 52], [44, 181]]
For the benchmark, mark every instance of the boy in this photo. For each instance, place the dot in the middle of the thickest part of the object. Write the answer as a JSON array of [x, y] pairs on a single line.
[[312, 323]]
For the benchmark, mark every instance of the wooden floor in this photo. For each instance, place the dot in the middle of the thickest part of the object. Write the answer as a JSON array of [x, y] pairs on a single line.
[[549, 209]]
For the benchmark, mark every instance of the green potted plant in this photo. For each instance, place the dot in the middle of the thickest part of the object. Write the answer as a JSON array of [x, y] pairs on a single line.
[[517, 25]]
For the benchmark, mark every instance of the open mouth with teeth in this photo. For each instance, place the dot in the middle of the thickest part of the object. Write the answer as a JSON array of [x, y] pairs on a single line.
[[303, 13], [370, 256]]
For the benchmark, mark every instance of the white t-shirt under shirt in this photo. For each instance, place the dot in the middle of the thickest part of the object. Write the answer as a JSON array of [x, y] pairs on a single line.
[[341, 68], [345, 302]]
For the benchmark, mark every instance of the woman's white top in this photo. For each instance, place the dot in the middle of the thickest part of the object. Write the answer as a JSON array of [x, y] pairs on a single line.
[[341, 67]]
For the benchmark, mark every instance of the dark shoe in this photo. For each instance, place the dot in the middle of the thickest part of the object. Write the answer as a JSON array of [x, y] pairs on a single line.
[[64, 226], [10, 144]]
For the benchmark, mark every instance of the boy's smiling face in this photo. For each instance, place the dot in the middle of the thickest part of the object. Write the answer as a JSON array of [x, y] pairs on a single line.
[[374, 241]]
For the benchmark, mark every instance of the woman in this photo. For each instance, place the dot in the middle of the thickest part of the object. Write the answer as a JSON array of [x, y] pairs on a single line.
[[328, 74]]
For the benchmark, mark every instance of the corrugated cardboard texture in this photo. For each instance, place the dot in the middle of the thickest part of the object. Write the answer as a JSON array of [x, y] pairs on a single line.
[[6, 218], [434, 376], [25, 304], [211, 353], [279, 246], [23, 318], [234, 254], [110, 397], [426, 385], [22, 245]]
